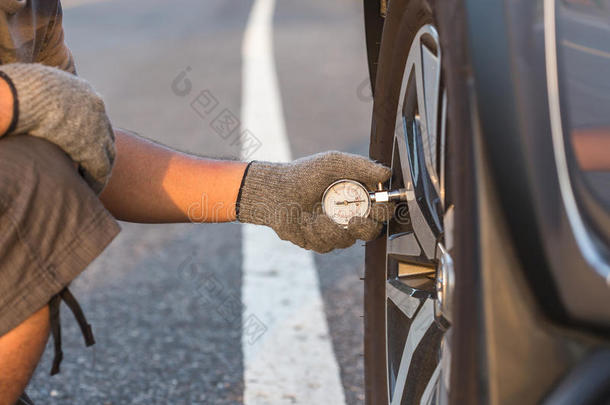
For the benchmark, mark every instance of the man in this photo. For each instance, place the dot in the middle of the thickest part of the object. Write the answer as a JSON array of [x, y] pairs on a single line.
[[66, 174]]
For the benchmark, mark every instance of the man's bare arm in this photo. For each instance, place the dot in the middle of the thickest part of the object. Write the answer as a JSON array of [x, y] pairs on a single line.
[[6, 106], [151, 183]]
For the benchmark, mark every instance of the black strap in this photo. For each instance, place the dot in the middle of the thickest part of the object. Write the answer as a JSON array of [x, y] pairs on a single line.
[[77, 311], [56, 332], [24, 400], [85, 327]]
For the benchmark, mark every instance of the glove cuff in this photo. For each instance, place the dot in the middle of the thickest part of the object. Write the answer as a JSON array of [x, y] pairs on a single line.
[[241, 188], [256, 200]]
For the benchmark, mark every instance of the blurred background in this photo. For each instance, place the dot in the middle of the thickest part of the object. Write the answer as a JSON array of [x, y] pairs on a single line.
[[159, 339]]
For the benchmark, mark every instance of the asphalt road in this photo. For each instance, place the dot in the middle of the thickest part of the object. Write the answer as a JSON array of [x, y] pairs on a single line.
[[160, 339]]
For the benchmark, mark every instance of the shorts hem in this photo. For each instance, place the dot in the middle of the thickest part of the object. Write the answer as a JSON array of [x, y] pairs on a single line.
[[60, 269]]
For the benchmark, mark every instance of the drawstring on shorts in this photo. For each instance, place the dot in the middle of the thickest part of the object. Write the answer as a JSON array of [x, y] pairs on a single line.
[[77, 311]]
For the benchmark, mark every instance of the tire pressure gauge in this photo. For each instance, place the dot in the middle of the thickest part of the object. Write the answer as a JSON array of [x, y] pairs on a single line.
[[345, 199]]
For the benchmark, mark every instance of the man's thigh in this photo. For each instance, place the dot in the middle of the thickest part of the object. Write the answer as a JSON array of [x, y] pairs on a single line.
[[52, 226], [20, 352]]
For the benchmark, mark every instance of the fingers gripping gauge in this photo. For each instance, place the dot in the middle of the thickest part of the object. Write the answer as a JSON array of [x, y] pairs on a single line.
[[345, 199]]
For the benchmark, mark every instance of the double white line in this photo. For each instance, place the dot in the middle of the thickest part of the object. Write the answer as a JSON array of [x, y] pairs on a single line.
[[293, 362]]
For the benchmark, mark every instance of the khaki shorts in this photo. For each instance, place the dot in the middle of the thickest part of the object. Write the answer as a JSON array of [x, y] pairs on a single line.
[[52, 226]]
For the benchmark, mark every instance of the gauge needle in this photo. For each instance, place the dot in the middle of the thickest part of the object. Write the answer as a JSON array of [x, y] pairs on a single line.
[[348, 202]]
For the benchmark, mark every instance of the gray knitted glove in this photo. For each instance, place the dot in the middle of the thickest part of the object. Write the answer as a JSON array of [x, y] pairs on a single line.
[[287, 197], [65, 110]]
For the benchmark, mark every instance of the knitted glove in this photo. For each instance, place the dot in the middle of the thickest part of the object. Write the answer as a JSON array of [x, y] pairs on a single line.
[[65, 110], [287, 197]]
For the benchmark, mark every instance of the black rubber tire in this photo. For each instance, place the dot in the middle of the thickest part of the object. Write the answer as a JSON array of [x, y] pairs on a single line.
[[404, 19]]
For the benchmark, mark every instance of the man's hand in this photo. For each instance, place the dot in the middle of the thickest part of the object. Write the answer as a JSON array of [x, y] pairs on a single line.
[[286, 197], [65, 110]]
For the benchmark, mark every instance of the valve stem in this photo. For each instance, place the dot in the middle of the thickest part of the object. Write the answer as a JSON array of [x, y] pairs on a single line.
[[389, 195]]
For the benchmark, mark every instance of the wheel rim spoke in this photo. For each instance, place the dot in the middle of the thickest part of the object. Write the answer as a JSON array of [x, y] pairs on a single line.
[[406, 301], [428, 394], [403, 244], [430, 76], [443, 146], [423, 320], [426, 237]]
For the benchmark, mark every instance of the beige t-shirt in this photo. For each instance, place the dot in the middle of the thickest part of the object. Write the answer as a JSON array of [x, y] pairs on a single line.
[[31, 31]]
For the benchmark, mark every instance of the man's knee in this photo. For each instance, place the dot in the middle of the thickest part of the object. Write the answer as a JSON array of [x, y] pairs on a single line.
[[31, 167], [20, 352]]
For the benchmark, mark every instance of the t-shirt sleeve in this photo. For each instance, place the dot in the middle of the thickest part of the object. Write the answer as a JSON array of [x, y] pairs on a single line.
[[55, 52]]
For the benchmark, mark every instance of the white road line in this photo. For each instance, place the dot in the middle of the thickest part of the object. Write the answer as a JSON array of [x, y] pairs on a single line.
[[293, 361]]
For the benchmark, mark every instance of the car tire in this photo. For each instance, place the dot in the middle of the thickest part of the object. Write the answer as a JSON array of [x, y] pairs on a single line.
[[431, 379]]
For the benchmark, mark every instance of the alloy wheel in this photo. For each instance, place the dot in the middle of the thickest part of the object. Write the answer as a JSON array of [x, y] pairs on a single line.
[[419, 267]]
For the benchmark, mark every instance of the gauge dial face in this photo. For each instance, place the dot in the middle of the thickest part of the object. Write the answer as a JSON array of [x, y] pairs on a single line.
[[345, 199]]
